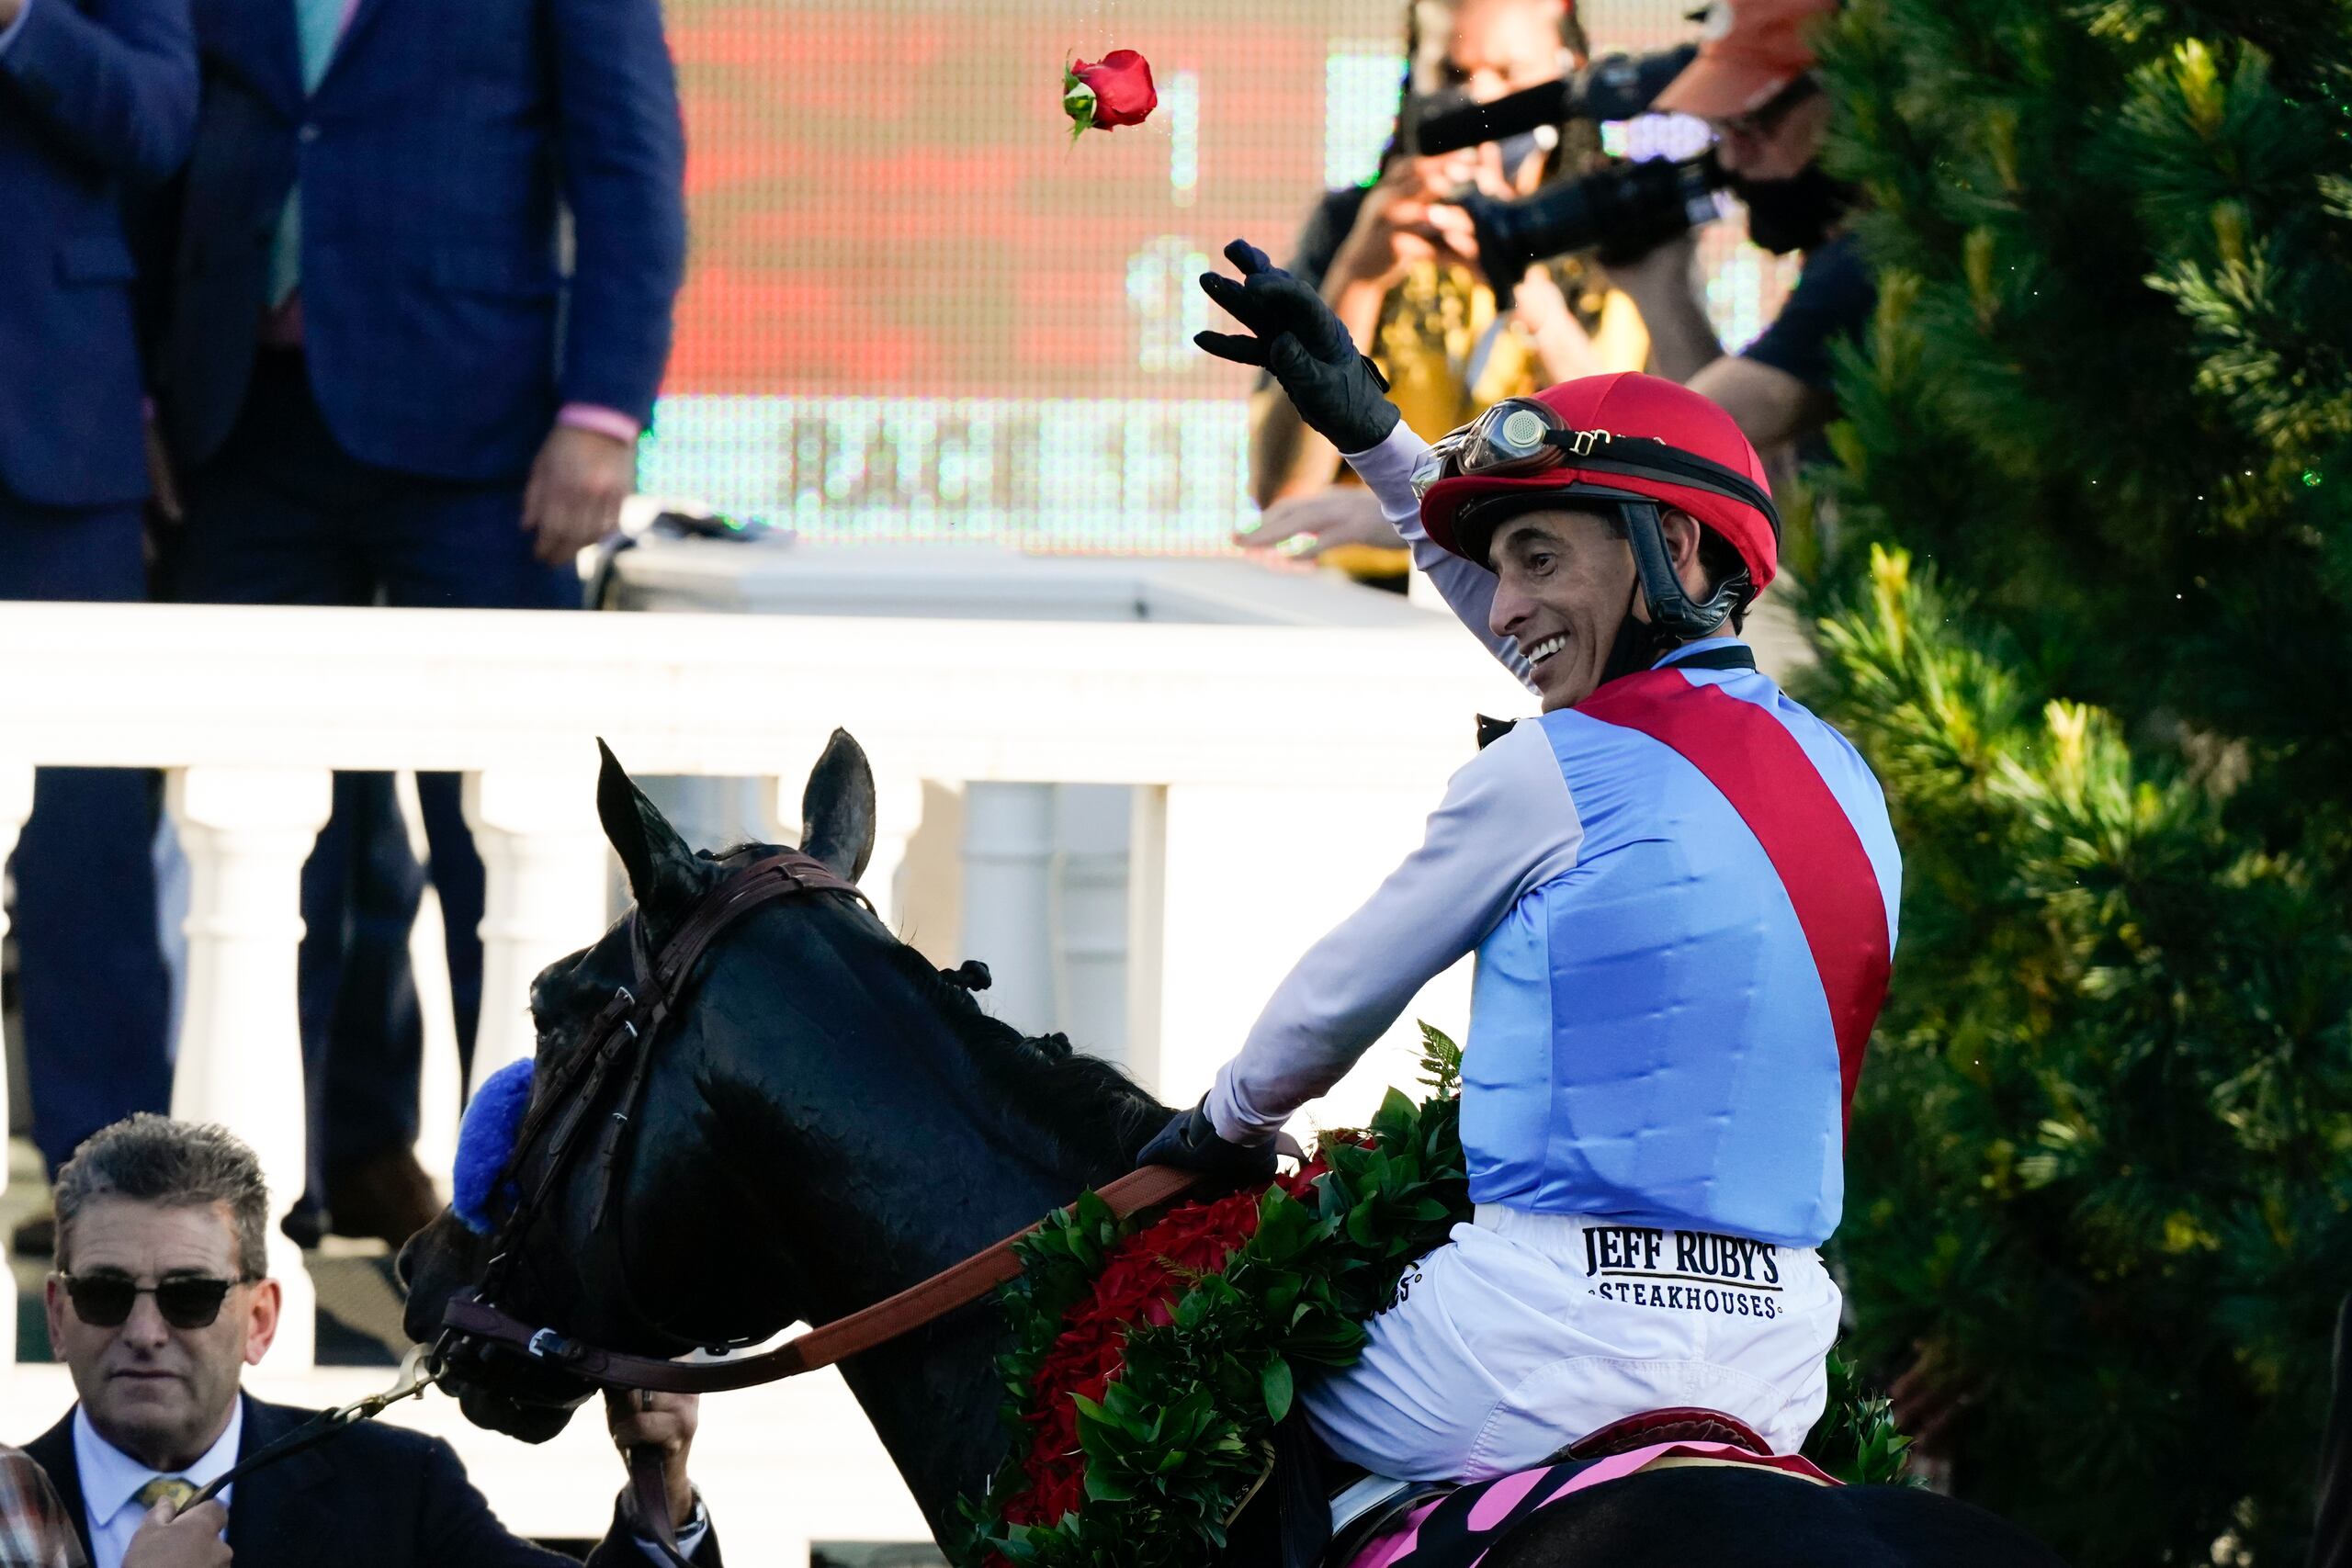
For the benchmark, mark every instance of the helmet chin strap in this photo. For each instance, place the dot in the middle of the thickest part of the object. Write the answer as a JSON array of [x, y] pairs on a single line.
[[1675, 618]]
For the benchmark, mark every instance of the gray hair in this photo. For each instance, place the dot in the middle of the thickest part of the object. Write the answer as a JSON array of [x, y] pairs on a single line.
[[154, 1159]]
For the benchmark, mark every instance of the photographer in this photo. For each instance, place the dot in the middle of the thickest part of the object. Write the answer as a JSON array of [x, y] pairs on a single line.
[[1754, 84], [1399, 269]]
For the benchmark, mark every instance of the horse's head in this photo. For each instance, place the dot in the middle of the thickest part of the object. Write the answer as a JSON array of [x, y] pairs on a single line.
[[608, 1258], [822, 1120]]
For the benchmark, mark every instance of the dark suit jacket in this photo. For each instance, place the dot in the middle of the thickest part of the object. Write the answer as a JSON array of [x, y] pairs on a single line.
[[93, 94], [377, 1496], [433, 160]]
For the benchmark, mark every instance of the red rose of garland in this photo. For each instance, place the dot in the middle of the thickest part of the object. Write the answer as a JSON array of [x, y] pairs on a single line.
[[1139, 1284], [1113, 91]]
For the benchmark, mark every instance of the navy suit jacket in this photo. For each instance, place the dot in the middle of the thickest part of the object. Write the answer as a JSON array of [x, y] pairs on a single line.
[[376, 1496], [440, 332], [94, 95]]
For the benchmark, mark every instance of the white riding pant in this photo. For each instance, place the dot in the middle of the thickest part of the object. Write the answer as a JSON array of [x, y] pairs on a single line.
[[1527, 1331]]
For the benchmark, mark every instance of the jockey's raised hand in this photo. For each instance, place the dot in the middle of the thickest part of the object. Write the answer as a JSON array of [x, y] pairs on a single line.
[[1296, 338], [1190, 1142]]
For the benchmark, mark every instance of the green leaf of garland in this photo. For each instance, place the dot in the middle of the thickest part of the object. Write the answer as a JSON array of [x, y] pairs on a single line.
[[1274, 1381]]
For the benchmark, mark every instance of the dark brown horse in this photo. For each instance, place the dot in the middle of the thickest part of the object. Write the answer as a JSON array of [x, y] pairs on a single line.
[[827, 1121]]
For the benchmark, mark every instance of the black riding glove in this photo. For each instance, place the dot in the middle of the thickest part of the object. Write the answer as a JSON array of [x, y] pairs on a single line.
[[1190, 1142], [1337, 391]]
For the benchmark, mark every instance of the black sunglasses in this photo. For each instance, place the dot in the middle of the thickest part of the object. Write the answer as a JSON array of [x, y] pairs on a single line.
[[186, 1300]]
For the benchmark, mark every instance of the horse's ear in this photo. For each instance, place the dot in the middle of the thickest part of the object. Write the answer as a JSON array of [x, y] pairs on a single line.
[[659, 866], [837, 808]]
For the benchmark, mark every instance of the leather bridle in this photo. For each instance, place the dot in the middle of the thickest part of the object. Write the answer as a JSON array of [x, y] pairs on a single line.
[[619, 1050]]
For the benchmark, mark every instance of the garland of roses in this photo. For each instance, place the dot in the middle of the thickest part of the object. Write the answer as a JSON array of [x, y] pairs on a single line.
[[1151, 1360]]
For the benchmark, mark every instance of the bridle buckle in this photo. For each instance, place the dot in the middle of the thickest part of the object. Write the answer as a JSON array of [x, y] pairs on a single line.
[[545, 1344]]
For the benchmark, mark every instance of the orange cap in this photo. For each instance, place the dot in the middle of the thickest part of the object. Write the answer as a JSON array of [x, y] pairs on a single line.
[[1749, 49]]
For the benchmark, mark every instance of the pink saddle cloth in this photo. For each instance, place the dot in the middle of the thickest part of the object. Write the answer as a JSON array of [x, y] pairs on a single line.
[[1457, 1529]]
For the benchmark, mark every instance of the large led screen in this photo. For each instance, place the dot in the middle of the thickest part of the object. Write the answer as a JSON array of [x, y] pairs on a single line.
[[916, 310]]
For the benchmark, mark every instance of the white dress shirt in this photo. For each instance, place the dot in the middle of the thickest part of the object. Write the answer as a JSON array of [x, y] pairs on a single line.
[[110, 1478]]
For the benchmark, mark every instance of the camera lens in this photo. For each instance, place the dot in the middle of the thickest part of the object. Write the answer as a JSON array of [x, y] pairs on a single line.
[[1621, 213]]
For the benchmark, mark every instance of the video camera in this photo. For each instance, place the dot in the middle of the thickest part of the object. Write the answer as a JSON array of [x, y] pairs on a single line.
[[1616, 86], [1622, 213]]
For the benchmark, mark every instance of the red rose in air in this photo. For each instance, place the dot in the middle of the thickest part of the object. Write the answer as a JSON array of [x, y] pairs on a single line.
[[1115, 90]]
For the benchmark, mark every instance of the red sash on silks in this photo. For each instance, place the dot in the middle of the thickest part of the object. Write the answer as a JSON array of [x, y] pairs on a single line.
[[1758, 765]]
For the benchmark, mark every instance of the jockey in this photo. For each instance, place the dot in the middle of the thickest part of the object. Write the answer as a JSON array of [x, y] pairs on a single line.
[[1681, 886]]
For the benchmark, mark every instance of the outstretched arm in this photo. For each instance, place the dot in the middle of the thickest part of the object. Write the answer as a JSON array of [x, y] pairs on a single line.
[[1297, 338], [1506, 825]]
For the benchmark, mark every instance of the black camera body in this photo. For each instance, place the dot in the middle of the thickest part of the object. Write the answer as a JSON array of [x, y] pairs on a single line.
[[1620, 213]]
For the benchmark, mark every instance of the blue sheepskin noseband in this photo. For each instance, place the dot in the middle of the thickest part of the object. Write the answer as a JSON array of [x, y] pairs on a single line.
[[485, 1140]]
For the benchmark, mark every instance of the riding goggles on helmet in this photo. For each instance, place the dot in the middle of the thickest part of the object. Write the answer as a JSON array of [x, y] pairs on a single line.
[[1521, 437]]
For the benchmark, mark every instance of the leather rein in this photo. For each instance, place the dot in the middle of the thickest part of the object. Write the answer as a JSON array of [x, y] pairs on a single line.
[[619, 1049]]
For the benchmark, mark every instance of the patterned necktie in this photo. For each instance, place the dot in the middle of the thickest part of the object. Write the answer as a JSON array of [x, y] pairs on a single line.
[[317, 25], [177, 1488]]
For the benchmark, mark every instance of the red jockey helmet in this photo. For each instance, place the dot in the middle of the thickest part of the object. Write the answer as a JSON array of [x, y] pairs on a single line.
[[1609, 439]]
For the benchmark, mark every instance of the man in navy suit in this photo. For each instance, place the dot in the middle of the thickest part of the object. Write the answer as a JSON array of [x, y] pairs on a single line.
[[383, 384], [159, 1302], [96, 97]]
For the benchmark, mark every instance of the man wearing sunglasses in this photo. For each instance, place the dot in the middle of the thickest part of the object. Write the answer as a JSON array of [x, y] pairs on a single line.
[[1680, 887], [1754, 82], [161, 1300]]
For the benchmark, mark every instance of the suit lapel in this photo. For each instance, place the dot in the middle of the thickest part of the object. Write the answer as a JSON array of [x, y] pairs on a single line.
[[361, 13], [278, 1515], [53, 1451]]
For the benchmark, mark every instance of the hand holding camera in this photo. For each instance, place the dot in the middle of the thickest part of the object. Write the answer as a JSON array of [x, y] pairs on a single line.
[[1400, 223]]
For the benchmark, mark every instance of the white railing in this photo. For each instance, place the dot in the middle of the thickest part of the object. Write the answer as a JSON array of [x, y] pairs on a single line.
[[1280, 772]]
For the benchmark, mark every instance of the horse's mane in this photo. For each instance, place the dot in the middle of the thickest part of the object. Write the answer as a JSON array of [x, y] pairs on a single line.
[[1088, 1106], [1091, 1110]]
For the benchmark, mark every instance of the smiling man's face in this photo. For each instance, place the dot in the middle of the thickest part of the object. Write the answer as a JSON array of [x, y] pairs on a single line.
[[160, 1394], [1564, 581]]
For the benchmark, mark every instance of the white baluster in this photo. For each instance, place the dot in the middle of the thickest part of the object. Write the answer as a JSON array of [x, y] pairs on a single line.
[[1089, 896], [440, 1079], [1008, 853], [898, 813], [246, 833], [1146, 930], [15, 805], [1211, 979], [543, 857]]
